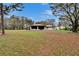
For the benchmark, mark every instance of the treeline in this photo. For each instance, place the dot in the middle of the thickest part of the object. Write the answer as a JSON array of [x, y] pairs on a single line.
[[17, 23]]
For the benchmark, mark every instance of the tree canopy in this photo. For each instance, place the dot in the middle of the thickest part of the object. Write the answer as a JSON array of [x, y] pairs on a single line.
[[69, 10], [6, 8]]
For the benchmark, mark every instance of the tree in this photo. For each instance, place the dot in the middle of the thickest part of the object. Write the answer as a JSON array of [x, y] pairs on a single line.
[[2, 17], [13, 22], [63, 21], [5, 9], [19, 22], [69, 10], [51, 22], [22, 22]]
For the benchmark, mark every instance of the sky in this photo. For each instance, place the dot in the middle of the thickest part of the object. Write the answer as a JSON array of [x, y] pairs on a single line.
[[35, 11]]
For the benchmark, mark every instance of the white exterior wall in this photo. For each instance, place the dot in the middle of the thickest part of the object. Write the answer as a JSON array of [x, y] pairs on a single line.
[[50, 28]]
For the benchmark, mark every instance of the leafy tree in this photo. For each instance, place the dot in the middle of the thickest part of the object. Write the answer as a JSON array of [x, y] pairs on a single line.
[[69, 10], [5, 9]]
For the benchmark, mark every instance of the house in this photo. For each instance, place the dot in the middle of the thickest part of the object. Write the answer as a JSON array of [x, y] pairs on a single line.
[[37, 27], [44, 27], [49, 27], [40, 27], [59, 27]]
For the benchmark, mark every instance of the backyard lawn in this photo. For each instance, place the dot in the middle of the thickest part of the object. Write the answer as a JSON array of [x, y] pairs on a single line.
[[22, 42]]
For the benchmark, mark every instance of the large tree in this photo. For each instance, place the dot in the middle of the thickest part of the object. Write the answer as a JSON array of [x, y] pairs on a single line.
[[5, 9], [69, 10], [63, 21]]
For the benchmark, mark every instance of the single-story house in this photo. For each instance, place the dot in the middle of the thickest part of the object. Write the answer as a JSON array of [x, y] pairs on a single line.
[[37, 27], [40, 27], [43, 27]]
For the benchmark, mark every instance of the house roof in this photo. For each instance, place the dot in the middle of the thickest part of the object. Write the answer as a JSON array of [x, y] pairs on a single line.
[[37, 25], [48, 25]]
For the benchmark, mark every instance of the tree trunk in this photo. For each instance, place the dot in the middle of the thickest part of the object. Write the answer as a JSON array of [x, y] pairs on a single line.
[[75, 28], [2, 19], [22, 24]]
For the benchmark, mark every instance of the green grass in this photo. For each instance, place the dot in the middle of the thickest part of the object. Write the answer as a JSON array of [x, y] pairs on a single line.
[[63, 31], [23, 43], [20, 42]]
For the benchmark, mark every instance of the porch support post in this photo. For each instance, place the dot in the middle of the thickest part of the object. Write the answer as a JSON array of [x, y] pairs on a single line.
[[30, 28], [37, 27]]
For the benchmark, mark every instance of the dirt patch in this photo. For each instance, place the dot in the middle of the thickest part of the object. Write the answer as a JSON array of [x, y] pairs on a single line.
[[58, 43]]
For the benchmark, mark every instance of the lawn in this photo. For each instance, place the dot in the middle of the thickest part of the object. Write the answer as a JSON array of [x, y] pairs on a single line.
[[63, 31], [22, 42]]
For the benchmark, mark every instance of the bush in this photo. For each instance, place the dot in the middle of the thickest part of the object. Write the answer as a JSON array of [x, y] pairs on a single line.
[[66, 28]]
